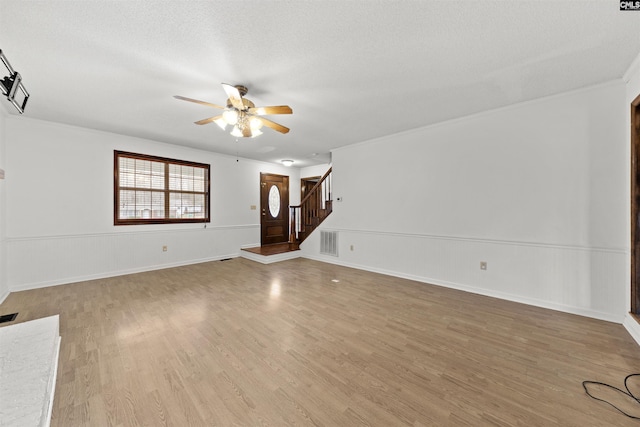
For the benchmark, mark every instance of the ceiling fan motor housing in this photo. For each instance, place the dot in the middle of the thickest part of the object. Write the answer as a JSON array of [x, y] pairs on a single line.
[[247, 104]]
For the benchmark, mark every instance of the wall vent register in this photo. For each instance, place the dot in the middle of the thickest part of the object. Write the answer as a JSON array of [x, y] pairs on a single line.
[[329, 243]]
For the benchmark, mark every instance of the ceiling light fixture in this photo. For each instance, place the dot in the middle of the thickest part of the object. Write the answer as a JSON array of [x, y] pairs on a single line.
[[236, 132], [241, 113], [221, 122], [287, 163], [243, 124], [230, 116]]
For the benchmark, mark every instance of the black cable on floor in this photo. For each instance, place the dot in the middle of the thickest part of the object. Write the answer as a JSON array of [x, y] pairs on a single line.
[[628, 393]]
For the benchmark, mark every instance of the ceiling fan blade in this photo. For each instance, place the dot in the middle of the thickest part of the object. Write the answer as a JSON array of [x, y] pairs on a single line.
[[198, 102], [208, 120], [262, 111], [234, 96], [273, 125]]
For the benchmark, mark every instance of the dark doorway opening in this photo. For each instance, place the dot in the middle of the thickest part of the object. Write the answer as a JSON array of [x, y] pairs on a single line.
[[635, 206], [306, 184]]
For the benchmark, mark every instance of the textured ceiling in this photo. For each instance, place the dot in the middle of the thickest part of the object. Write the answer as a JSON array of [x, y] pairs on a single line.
[[351, 70]]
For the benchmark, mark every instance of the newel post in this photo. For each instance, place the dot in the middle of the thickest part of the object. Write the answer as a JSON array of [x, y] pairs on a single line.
[[292, 233]]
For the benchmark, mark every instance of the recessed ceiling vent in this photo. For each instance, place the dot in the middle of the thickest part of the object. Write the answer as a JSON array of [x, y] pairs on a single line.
[[8, 317]]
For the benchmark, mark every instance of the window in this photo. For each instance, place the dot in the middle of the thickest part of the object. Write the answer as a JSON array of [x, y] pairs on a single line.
[[155, 190]]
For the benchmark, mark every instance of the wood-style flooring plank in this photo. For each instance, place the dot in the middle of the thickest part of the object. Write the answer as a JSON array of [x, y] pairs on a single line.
[[238, 343]]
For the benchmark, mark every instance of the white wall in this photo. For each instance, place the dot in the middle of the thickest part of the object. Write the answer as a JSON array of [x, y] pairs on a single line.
[[538, 190], [316, 170], [59, 207], [4, 286]]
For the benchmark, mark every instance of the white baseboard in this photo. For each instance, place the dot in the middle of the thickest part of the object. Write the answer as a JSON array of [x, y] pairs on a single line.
[[632, 326], [500, 295], [105, 275]]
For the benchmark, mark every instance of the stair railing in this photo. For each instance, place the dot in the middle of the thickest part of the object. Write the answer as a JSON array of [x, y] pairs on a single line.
[[312, 210]]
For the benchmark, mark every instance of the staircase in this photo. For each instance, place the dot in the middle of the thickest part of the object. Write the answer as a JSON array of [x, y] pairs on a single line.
[[312, 210]]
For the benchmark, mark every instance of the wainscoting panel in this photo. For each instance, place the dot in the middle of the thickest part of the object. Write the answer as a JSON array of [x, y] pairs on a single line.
[[585, 281], [46, 261]]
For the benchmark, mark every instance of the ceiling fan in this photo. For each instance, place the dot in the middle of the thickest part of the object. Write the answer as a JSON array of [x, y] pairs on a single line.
[[242, 114]]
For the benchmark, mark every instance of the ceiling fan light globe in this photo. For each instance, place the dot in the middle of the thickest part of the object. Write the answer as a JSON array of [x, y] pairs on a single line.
[[221, 123], [255, 123], [230, 116], [236, 132], [255, 132]]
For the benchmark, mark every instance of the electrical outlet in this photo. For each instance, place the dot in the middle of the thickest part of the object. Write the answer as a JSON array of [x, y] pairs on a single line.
[[483, 265], [164, 248]]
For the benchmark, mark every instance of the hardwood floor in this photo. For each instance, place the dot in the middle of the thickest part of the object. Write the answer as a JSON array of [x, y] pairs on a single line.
[[241, 343]]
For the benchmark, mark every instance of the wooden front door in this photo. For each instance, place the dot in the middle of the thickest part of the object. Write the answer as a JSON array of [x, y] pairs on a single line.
[[274, 208]]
